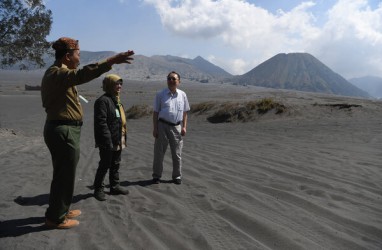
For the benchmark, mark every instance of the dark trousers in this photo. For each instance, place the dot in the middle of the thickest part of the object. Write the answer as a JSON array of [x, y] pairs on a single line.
[[63, 142], [109, 160]]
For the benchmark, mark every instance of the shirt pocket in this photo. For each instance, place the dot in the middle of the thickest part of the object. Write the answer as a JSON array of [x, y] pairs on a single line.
[[180, 105]]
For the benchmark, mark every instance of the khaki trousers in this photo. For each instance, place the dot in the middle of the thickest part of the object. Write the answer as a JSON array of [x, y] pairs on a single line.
[[168, 134]]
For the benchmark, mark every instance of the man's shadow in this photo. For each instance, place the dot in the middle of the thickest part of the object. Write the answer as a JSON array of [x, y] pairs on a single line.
[[43, 199], [143, 183], [18, 227]]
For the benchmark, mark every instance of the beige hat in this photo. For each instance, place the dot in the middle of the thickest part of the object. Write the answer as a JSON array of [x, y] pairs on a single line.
[[109, 82]]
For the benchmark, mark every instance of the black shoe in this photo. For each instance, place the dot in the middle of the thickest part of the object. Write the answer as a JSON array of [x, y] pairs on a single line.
[[156, 180], [178, 181], [118, 190], [99, 194]]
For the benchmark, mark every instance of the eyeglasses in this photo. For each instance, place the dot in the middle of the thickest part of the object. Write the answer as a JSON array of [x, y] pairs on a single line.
[[171, 78]]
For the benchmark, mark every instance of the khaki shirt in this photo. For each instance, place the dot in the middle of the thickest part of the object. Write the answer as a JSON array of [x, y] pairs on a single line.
[[59, 93]]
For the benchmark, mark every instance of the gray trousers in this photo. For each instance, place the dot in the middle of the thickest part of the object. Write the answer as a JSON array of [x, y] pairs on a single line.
[[168, 134]]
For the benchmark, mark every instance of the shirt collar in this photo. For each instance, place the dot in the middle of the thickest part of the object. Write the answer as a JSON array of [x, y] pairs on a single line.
[[59, 64], [170, 93]]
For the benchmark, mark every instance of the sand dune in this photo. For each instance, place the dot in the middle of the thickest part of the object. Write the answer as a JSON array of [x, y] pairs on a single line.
[[309, 178]]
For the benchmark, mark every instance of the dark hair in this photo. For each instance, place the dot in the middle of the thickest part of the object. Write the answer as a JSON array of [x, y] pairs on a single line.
[[64, 45], [62, 52], [173, 72]]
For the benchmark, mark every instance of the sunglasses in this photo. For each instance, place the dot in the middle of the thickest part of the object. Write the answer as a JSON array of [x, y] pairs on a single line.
[[171, 78]]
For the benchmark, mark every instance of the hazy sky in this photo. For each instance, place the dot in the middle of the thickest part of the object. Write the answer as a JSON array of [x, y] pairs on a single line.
[[235, 35]]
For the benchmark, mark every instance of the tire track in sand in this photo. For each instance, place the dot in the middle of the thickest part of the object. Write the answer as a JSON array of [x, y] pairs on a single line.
[[216, 231]]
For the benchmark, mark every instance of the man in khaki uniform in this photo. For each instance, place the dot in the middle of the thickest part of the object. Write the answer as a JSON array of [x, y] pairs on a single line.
[[63, 123]]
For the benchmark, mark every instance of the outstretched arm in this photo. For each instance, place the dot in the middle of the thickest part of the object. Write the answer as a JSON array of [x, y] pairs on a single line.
[[123, 57]]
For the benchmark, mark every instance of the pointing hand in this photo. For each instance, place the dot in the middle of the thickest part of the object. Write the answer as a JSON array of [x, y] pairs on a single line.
[[123, 57]]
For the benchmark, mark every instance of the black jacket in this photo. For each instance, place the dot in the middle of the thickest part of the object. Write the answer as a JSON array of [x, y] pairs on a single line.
[[107, 125]]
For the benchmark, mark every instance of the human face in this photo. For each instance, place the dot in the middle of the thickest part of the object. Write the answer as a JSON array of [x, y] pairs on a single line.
[[73, 59], [173, 82], [118, 87]]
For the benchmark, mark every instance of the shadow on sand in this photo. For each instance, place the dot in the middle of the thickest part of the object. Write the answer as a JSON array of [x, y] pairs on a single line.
[[17, 227], [143, 183], [43, 199]]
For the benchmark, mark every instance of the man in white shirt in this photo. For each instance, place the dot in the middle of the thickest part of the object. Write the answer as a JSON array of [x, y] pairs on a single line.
[[170, 125]]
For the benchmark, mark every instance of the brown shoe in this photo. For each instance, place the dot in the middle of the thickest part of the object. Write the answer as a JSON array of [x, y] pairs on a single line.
[[66, 224], [73, 214]]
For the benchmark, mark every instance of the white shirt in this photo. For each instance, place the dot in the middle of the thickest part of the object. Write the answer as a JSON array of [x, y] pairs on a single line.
[[171, 107]]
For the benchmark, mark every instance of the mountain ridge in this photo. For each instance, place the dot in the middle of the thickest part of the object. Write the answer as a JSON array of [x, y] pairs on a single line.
[[296, 71]]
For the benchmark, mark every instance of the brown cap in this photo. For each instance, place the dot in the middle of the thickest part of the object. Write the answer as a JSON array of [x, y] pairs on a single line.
[[65, 43]]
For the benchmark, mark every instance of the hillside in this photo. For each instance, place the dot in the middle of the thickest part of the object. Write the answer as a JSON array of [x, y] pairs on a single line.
[[157, 67], [150, 68], [299, 71], [370, 84]]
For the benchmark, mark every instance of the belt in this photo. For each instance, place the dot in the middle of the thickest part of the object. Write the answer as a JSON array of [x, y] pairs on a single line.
[[169, 123], [64, 122]]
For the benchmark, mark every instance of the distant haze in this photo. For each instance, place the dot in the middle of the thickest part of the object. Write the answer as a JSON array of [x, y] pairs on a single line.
[[371, 84]]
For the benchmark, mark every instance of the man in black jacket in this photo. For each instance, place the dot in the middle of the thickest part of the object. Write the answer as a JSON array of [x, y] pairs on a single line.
[[110, 136]]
